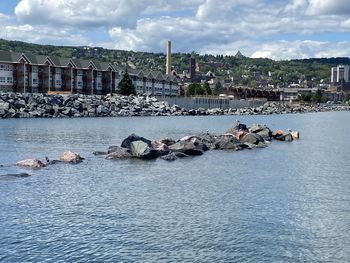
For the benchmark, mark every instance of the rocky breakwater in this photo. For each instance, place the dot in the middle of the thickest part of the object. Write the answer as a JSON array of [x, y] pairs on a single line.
[[237, 138], [18, 105]]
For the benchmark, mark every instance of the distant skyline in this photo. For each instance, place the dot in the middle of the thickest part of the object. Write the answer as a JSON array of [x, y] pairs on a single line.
[[285, 29]]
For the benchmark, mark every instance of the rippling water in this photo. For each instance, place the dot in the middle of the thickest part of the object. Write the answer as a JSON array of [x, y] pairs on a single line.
[[289, 202]]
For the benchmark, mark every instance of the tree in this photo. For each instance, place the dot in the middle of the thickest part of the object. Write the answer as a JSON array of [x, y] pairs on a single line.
[[218, 88], [207, 89], [195, 89], [126, 87]]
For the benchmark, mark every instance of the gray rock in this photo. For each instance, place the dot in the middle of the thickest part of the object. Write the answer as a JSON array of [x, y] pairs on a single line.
[[19, 175], [252, 138], [71, 157], [142, 150], [186, 147], [31, 163], [132, 138], [119, 154], [99, 153]]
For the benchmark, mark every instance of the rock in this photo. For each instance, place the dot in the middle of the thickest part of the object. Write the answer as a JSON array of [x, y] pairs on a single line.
[[285, 137], [142, 150], [71, 157], [295, 135], [240, 134], [252, 138], [15, 175], [167, 141], [266, 134], [31, 163], [255, 128], [119, 154], [186, 147], [99, 153], [239, 127], [226, 142], [162, 148], [113, 148], [169, 157], [132, 138]]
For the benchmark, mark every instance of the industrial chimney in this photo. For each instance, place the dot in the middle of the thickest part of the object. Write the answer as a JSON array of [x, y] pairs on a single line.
[[168, 58]]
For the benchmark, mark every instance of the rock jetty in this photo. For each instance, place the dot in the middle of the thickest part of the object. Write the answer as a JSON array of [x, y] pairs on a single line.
[[18, 105], [236, 138]]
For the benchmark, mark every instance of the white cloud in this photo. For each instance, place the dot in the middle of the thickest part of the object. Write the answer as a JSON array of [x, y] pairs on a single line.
[[302, 49], [345, 24], [256, 27], [80, 13], [319, 7], [44, 34], [295, 5]]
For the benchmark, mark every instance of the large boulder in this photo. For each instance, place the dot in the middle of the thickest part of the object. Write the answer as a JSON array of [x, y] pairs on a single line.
[[132, 138], [71, 157], [238, 127], [162, 148], [167, 141], [295, 135], [226, 142], [186, 147], [262, 130], [31, 163], [252, 138], [119, 154], [287, 137], [142, 150]]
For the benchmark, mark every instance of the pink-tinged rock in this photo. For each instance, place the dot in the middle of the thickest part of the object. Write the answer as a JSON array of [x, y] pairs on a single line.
[[295, 135], [71, 157], [31, 163]]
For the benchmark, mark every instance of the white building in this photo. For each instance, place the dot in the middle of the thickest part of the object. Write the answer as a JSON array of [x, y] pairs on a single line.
[[340, 73]]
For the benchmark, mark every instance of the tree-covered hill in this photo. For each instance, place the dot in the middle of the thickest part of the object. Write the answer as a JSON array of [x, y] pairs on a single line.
[[239, 69]]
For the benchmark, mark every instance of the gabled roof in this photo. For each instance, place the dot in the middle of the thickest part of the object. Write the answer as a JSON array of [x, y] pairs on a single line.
[[11, 57]]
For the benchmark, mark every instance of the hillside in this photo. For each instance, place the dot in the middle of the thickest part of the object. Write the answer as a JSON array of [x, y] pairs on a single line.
[[239, 69]]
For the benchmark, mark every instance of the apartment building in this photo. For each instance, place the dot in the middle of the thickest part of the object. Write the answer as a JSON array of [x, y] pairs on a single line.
[[22, 72], [340, 73]]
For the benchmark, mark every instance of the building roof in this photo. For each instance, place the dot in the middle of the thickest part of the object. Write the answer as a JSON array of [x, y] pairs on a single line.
[[15, 57]]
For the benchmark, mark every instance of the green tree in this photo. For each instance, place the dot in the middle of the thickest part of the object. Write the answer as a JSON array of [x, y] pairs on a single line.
[[317, 97], [207, 89], [218, 88], [126, 87], [195, 89], [305, 97]]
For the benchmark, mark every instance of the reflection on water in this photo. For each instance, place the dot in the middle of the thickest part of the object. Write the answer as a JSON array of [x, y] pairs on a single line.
[[288, 202]]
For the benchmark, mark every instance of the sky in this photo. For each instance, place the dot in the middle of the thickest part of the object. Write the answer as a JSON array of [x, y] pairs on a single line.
[[276, 29]]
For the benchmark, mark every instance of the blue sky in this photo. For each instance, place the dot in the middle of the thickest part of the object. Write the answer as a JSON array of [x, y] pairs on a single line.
[[283, 29]]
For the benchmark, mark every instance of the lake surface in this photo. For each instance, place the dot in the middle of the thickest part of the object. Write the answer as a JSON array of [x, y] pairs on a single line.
[[289, 202]]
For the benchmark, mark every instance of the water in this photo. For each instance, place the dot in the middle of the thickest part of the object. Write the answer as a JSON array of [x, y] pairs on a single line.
[[289, 202]]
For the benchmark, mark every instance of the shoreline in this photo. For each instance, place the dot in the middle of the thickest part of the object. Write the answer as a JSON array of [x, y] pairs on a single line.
[[19, 105]]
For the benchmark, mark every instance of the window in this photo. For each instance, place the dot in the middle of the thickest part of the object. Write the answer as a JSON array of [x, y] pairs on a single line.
[[35, 70], [2, 80], [9, 80], [35, 81], [58, 82]]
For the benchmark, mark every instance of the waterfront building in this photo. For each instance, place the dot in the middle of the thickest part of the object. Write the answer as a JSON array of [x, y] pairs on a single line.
[[23, 72], [340, 74]]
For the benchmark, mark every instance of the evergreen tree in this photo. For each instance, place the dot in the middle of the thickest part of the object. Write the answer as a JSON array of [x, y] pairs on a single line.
[[207, 89], [126, 87], [218, 88]]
